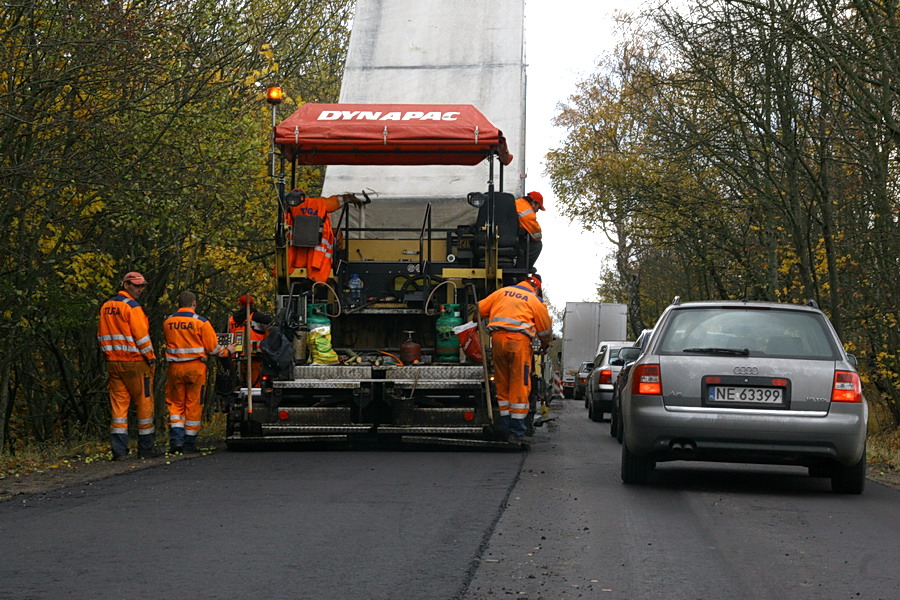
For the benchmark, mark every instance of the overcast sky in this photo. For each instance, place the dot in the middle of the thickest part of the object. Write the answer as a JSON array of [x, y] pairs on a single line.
[[563, 40]]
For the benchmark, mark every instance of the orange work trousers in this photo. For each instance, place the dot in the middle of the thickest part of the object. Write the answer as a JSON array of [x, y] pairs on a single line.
[[130, 381], [184, 397], [512, 372]]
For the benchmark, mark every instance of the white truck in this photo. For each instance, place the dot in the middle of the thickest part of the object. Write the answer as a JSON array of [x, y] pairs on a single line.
[[585, 325]]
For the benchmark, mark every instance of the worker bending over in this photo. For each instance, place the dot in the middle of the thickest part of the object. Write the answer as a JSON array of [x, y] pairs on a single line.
[[189, 338], [311, 244], [526, 208], [124, 337], [515, 316], [259, 329]]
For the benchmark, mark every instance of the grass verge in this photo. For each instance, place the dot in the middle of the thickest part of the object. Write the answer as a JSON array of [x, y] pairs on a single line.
[[72, 454]]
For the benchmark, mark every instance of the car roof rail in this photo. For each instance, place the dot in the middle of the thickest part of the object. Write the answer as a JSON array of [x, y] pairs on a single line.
[[676, 300], [812, 303]]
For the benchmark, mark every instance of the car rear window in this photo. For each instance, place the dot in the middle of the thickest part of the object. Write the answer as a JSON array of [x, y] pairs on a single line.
[[771, 332]]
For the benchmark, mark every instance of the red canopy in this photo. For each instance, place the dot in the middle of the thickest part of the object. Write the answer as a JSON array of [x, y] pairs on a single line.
[[390, 134]]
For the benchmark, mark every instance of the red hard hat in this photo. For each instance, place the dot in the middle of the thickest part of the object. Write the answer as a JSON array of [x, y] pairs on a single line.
[[134, 278], [535, 281], [537, 197], [245, 300]]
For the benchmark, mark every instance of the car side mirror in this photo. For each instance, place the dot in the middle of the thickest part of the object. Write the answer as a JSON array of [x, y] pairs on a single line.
[[852, 360], [616, 361]]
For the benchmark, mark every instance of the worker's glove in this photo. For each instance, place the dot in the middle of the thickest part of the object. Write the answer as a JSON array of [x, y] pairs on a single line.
[[352, 199], [151, 362]]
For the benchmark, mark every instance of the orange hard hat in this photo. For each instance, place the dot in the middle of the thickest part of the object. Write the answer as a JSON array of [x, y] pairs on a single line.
[[245, 300], [535, 281], [134, 278], [536, 197]]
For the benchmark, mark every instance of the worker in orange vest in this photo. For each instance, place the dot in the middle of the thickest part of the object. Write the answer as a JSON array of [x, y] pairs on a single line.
[[315, 252], [189, 339], [516, 316], [259, 329], [124, 337], [526, 208]]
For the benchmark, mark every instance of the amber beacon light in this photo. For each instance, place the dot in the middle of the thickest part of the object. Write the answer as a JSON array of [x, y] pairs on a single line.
[[274, 95]]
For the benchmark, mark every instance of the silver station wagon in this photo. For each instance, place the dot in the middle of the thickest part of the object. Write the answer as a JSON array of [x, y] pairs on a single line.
[[748, 382]]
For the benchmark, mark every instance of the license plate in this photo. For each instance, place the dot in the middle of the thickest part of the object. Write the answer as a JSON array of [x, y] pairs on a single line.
[[745, 395]]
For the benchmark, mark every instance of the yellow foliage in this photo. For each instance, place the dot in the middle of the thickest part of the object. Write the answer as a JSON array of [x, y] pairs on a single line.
[[89, 270]]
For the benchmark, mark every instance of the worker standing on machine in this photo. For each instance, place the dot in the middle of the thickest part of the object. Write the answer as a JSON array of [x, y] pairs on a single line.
[[311, 243], [259, 328], [189, 339], [516, 315], [530, 230]]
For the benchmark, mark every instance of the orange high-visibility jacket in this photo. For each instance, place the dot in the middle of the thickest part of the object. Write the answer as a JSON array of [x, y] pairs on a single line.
[[527, 219], [124, 330], [317, 261], [257, 332], [517, 308], [190, 337]]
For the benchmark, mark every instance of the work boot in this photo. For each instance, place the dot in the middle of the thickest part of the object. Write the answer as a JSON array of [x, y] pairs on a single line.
[[153, 452], [517, 439], [119, 456], [191, 449], [173, 449]]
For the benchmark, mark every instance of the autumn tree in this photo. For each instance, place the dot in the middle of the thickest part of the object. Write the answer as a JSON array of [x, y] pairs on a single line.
[[753, 156], [133, 137]]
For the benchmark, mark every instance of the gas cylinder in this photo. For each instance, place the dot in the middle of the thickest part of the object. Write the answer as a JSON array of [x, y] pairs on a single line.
[[410, 351], [317, 317], [447, 344]]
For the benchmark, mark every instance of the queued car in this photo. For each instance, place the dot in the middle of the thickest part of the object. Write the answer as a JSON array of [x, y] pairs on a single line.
[[628, 357], [750, 382], [602, 377], [581, 380]]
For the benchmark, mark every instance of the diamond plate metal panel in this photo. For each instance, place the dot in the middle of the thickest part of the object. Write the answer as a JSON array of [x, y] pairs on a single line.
[[332, 372], [435, 372]]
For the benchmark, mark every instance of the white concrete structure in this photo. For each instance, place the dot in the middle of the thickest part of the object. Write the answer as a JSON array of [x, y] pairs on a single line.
[[435, 52]]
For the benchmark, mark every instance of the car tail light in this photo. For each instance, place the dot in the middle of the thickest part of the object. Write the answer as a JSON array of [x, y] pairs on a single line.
[[605, 377], [647, 381], [469, 415], [582, 379], [847, 387], [283, 415]]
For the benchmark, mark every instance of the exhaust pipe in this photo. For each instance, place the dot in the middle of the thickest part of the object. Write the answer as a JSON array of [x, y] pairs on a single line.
[[685, 450]]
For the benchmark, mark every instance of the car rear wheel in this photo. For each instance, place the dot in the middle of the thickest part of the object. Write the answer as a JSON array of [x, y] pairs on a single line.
[[850, 480], [613, 422], [635, 469], [595, 413]]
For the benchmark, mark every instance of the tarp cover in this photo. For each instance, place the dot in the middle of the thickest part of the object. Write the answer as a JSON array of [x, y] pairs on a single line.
[[390, 134]]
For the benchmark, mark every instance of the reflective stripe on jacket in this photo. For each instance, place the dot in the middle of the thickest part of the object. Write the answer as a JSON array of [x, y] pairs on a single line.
[[124, 330], [527, 219], [190, 337], [518, 309]]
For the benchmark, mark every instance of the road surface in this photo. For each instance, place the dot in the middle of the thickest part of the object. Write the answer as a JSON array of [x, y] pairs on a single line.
[[553, 523]]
